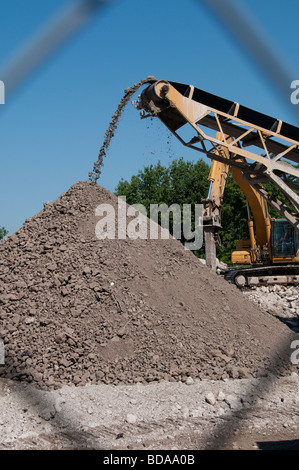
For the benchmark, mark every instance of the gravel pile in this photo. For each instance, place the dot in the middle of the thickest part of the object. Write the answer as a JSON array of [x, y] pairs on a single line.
[[78, 310]]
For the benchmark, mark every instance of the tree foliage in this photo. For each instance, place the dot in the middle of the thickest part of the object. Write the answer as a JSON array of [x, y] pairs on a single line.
[[181, 182], [3, 232], [234, 219]]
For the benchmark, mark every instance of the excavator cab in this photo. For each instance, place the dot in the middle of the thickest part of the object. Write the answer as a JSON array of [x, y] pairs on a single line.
[[284, 240]]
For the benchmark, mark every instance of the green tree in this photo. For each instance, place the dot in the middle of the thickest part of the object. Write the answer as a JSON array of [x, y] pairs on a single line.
[[234, 220], [3, 232], [181, 182]]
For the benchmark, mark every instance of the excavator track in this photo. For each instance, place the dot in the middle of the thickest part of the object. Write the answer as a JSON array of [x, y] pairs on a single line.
[[263, 276]]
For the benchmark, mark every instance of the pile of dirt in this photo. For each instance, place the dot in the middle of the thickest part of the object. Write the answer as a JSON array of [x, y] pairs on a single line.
[[75, 309]]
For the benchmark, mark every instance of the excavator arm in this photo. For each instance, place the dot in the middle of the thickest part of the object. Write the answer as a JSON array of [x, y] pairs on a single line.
[[258, 248]]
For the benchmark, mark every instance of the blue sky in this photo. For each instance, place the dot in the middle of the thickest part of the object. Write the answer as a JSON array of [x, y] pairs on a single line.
[[53, 126]]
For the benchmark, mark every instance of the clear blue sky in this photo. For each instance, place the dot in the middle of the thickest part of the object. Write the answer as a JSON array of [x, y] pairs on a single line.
[[52, 128]]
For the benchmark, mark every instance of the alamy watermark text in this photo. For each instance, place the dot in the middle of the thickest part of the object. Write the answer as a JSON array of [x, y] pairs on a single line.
[[295, 94], [131, 221], [2, 92]]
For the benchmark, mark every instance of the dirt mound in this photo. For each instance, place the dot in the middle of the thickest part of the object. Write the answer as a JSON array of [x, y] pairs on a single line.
[[75, 309]]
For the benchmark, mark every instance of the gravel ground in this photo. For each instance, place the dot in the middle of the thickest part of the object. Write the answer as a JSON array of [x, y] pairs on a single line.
[[230, 414]]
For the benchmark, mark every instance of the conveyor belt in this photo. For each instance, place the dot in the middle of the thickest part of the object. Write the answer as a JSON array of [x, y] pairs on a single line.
[[280, 131], [177, 104], [244, 113]]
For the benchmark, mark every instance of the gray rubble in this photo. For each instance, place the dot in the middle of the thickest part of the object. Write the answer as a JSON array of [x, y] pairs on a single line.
[[280, 301]]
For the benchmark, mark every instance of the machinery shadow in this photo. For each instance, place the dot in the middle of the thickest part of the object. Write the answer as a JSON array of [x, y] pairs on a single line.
[[292, 323], [279, 445]]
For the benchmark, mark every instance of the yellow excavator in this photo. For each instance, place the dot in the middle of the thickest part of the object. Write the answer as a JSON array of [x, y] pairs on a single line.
[[272, 250], [233, 136]]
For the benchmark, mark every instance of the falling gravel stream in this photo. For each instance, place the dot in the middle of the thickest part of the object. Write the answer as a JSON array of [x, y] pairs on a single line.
[[129, 92]]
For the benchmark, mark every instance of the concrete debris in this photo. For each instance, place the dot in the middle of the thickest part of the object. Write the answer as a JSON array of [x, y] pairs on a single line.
[[210, 398], [280, 301]]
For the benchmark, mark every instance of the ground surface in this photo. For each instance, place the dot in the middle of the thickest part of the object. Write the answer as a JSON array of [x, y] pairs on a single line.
[[246, 414]]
